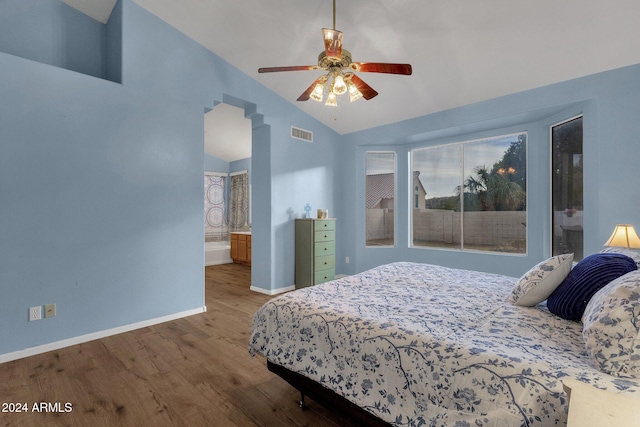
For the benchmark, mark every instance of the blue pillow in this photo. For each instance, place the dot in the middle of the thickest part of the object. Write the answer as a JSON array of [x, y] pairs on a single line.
[[570, 299]]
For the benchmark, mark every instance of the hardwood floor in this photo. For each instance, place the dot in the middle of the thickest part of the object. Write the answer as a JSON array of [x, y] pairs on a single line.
[[194, 371]]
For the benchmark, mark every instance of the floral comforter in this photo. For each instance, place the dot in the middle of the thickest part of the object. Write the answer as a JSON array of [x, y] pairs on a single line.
[[418, 344]]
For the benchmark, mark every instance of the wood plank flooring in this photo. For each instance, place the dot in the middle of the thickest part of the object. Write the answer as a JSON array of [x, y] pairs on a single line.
[[194, 371]]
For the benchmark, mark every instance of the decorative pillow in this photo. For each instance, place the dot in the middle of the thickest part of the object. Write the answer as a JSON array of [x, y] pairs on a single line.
[[611, 328], [585, 279], [539, 282], [633, 254]]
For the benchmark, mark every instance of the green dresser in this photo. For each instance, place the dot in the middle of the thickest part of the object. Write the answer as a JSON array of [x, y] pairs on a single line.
[[315, 251]]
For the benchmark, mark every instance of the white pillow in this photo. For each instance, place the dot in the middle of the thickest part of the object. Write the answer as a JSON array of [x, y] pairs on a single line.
[[611, 327], [540, 282]]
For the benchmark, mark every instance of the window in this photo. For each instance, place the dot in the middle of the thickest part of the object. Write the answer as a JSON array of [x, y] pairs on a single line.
[[380, 175], [567, 202], [474, 195]]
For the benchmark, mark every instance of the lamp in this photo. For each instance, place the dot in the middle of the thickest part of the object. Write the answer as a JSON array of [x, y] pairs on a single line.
[[624, 235], [340, 84]]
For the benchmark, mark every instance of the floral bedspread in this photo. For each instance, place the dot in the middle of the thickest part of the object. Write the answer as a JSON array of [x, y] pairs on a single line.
[[418, 344]]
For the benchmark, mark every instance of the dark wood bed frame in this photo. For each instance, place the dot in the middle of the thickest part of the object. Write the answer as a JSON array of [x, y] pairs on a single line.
[[326, 397]]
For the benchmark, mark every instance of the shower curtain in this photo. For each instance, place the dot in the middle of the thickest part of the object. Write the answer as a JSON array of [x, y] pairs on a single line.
[[239, 202], [215, 218]]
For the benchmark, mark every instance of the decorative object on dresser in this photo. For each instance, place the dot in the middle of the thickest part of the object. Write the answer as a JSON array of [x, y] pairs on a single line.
[[241, 247], [315, 251]]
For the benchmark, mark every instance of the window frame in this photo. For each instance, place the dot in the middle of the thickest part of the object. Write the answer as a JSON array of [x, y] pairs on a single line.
[[395, 199], [461, 247], [552, 222]]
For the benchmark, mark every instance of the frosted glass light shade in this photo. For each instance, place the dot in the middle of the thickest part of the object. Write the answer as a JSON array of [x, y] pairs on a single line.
[[332, 100], [318, 92], [339, 86], [354, 93], [624, 235]]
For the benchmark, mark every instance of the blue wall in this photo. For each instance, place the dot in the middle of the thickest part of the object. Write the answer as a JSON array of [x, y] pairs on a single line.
[[610, 103], [101, 183], [214, 164], [53, 33]]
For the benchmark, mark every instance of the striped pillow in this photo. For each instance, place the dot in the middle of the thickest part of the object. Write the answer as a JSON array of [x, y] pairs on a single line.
[[570, 299]]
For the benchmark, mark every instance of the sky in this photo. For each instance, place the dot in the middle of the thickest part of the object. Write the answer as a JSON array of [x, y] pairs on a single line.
[[440, 166]]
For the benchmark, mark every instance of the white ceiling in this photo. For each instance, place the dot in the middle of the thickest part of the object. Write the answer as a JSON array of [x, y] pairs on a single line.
[[100, 10], [462, 51], [227, 133]]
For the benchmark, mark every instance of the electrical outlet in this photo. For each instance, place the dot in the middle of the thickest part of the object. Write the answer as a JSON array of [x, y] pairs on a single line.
[[346, 260], [35, 313], [49, 310]]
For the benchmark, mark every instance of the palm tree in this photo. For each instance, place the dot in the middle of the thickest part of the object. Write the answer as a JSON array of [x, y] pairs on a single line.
[[492, 191]]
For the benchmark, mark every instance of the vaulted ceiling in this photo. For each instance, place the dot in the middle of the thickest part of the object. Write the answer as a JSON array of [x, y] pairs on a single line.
[[462, 51]]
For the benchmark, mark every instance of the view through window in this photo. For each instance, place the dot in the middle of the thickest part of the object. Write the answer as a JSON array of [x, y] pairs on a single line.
[[471, 195], [380, 171], [567, 167]]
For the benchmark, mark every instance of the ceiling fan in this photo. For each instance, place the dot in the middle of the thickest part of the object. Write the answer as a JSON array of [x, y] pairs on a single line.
[[340, 77]]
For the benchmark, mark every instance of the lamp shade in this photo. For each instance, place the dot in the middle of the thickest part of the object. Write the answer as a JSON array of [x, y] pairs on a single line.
[[624, 235]]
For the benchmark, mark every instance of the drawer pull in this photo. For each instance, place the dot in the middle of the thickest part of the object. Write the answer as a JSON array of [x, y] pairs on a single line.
[[325, 236]]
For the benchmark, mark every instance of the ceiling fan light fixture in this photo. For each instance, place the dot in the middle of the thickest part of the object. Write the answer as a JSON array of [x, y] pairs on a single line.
[[339, 86], [354, 93], [332, 100], [318, 92]]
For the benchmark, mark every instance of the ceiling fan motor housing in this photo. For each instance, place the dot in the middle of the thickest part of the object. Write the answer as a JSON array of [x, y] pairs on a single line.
[[327, 62]]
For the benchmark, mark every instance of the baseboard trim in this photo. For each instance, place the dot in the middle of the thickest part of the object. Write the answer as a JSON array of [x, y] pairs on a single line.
[[272, 291], [7, 357]]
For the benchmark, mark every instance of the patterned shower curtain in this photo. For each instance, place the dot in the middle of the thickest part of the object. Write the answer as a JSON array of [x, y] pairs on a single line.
[[215, 215], [239, 202]]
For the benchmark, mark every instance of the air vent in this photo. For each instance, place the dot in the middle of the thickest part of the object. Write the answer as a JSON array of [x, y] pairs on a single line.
[[301, 134]]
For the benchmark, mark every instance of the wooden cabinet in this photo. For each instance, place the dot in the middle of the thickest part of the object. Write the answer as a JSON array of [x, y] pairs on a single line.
[[241, 248], [315, 251]]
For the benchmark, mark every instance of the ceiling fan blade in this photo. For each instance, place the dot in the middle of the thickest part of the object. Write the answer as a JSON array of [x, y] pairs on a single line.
[[382, 67], [288, 68], [306, 94], [367, 91], [332, 43]]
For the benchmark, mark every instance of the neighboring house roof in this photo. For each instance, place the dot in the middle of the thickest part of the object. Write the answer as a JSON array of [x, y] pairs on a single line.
[[381, 186]]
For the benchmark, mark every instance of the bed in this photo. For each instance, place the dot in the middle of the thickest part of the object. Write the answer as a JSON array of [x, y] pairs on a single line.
[[417, 344]]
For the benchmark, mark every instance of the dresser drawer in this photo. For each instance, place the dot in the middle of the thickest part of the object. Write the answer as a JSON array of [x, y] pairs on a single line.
[[324, 262], [325, 236], [324, 276], [324, 248], [320, 225]]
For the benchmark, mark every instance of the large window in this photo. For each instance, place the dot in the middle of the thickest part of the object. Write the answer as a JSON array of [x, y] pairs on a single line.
[[471, 195], [380, 171], [566, 142]]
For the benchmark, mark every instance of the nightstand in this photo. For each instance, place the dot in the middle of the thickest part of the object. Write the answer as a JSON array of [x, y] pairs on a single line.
[[592, 407]]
